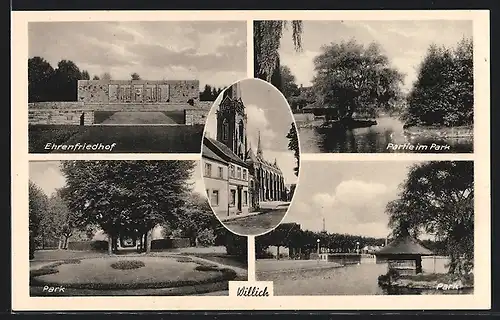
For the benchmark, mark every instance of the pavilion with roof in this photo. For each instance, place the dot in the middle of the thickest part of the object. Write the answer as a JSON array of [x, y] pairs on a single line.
[[404, 255]]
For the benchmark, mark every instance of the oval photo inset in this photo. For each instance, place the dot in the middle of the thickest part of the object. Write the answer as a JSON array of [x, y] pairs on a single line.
[[250, 157]]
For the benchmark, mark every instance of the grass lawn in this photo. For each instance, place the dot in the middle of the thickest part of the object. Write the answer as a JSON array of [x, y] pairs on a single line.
[[147, 117], [232, 261], [158, 272], [150, 139]]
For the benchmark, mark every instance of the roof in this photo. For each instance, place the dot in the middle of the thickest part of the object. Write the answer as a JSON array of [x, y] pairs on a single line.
[[223, 151], [404, 245], [208, 153]]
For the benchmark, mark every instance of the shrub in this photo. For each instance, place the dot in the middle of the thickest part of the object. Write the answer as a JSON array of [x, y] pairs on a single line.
[[206, 268], [99, 245], [127, 264], [206, 238]]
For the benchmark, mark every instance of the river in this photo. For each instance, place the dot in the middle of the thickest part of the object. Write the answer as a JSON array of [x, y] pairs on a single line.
[[374, 139], [361, 279]]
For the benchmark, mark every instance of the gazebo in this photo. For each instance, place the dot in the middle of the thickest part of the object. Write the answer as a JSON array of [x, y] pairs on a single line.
[[404, 255]]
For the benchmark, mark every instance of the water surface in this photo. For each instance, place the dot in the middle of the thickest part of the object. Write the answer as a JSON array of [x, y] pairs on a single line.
[[374, 139]]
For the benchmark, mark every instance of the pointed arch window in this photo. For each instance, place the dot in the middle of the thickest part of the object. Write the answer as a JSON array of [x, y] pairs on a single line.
[[225, 129], [241, 130]]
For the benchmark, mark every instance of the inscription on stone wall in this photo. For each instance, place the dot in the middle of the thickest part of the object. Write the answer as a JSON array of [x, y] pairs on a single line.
[[163, 92], [138, 93], [149, 93], [113, 93], [119, 92]]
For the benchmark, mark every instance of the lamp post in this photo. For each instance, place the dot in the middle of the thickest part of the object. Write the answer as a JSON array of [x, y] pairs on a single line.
[[318, 247]]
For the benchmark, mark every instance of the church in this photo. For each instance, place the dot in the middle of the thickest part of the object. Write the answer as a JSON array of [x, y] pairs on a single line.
[[237, 179]]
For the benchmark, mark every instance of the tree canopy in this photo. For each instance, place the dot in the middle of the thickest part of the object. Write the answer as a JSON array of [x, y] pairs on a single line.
[[292, 236], [438, 199], [126, 196], [443, 93], [267, 35], [293, 145], [352, 78], [38, 208], [48, 84]]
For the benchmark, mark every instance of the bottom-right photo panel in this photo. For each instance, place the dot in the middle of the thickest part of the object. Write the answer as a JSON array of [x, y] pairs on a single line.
[[374, 228]]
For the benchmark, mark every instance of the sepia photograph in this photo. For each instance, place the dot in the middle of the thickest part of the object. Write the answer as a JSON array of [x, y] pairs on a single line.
[[127, 228], [373, 86], [374, 228], [250, 157], [128, 86]]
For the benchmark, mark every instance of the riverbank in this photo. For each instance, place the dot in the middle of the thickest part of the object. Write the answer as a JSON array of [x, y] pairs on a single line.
[[429, 132], [309, 120], [429, 281]]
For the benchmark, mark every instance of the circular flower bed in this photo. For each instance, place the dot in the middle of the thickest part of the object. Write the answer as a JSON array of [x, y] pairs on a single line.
[[147, 272], [128, 264]]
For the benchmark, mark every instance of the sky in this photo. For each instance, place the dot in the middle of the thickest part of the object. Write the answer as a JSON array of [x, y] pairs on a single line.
[[213, 52], [350, 195], [48, 176], [404, 42], [267, 112]]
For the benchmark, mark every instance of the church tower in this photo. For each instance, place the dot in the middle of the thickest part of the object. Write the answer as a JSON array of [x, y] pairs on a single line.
[[232, 121]]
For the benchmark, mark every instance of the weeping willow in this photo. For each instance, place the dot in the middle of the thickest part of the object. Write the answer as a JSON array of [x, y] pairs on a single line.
[[267, 40]]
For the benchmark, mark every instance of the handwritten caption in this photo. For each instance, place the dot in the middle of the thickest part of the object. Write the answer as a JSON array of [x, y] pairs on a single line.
[[418, 147], [248, 289], [80, 147]]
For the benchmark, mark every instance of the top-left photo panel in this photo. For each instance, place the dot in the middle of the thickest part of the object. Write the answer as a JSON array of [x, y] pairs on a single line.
[[128, 87]]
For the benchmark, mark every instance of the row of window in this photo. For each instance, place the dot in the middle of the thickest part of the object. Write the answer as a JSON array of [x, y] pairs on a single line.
[[237, 172], [214, 198], [234, 172]]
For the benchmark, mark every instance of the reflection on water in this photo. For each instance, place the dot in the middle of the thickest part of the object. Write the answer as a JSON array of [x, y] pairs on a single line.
[[359, 279], [373, 139]]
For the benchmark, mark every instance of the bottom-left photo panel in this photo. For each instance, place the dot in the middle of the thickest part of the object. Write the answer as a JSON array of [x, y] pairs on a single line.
[[127, 228]]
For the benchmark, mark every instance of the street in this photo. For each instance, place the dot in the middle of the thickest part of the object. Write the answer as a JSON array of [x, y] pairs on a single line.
[[258, 224]]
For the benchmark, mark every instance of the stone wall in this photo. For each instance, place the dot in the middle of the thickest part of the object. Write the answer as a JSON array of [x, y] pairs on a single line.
[[56, 105], [157, 107], [138, 91], [60, 116]]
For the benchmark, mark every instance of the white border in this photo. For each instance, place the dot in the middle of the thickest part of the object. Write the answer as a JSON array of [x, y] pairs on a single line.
[[21, 301]]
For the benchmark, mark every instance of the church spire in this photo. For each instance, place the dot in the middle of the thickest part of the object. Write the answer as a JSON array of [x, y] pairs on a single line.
[[259, 147]]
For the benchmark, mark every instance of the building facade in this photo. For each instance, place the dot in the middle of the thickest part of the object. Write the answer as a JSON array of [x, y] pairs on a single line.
[[236, 179]]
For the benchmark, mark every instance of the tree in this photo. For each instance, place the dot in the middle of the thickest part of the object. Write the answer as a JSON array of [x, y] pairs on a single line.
[[443, 93], [135, 76], [60, 219], [267, 40], [66, 78], [38, 207], [196, 215], [85, 75], [293, 145], [206, 94], [106, 76], [126, 197], [40, 76], [351, 78], [288, 86], [438, 199], [96, 78]]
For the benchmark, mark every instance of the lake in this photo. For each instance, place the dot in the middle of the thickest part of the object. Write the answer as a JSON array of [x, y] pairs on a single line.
[[374, 139], [355, 279]]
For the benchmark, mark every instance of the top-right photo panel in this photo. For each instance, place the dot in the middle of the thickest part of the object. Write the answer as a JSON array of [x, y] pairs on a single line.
[[373, 86]]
